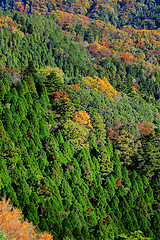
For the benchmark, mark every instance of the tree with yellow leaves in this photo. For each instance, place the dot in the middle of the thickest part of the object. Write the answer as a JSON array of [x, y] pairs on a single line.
[[83, 118], [101, 85]]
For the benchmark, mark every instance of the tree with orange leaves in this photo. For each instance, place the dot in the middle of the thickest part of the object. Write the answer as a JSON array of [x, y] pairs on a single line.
[[18, 6], [75, 86], [59, 95], [13, 225], [145, 128], [125, 56]]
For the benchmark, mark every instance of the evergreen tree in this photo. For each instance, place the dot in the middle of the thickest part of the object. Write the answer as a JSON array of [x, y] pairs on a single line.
[[117, 172], [54, 82], [67, 108], [125, 147], [98, 126], [109, 187], [2, 90], [126, 179], [8, 121], [89, 35], [106, 165]]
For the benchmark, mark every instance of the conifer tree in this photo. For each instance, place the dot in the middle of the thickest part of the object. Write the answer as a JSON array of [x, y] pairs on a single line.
[[20, 89], [109, 187], [149, 190], [54, 82], [113, 180], [130, 198], [59, 137], [2, 90], [98, 126], [125, 147], [106, 165], [150, 151], [31, 213], [8, 121], [140, 184], [117, 172], [66, 194], [30, 70], [67, 108], [30, 84], [155, 221], [89, 35], [126, 179], [93, 145]]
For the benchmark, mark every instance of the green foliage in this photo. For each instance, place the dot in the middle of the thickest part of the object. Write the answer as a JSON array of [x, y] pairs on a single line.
[[2, 90], [125, 147], [99, 126], [76, 134], [2, 236], [106, 165], [54, 82]]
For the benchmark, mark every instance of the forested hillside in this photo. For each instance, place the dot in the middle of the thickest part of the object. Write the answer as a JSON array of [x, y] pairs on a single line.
[[143, 14], [79, 120]]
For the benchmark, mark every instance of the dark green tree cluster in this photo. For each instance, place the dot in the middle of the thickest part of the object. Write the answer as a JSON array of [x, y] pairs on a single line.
[[46, 45]]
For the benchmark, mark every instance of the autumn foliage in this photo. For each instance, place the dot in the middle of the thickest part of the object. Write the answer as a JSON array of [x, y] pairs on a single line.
[[135, 85], [18, 6], [83, 118], [75, 86], [7, 22], [10, 70], [59, 95], [12, 224], [145, 128], [102, 85], [118, 182]]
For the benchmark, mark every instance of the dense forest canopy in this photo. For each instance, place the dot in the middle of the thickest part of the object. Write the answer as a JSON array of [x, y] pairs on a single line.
[[79, 119], [143, 14]]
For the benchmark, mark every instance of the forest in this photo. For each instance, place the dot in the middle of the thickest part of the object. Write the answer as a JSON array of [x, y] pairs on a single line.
[[79, 120]]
